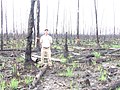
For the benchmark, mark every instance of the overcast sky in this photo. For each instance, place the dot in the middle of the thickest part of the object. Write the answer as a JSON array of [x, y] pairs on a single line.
[[108, 15]]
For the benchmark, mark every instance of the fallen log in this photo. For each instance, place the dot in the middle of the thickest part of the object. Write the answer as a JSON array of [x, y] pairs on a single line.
[[76, 54], [89, 55], [58, 52], [93, 49], [112, 86], [113, 51], [39, 75], [102, 53], [113, 55], [37, 57], [23, 50], [12, 50], [90, 49]]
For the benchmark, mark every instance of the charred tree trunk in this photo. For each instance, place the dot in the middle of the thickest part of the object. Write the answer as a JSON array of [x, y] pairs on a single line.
[[1, 26], [97, 37], [70, 28], [78, 38], [13, 23], [29, 36], [63, 30], [7, 38], [47, 15], [66, 47], [57, 24], [114, 31], [34, 36], [114, 18], [38, 21]]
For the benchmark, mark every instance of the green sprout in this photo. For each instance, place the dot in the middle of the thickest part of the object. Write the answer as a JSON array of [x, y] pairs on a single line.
[[71, 85], [2, 85], [14, 83], [97, 54], [14, 70], [67, 73], [118, 88], [94, 62], [1, 76], [106, 46], [115, 46], [63, 59], [28, 79], [57, 47], [74, 64], [103, 74], [20, 59]]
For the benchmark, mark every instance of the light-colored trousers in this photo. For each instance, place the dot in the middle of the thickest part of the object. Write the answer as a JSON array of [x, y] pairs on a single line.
[[47, 52]]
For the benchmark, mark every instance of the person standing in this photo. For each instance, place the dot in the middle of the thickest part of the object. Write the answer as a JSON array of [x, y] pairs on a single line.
[[46, 41]]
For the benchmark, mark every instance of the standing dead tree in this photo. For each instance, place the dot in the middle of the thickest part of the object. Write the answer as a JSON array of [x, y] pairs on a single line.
[[66, 47], [34, 33], [13, 23], [57, 24], [114, 18], [29, 36], [78, 38], [47, 15], [1, 26], [7, 38], [38, 21], [98, 44]]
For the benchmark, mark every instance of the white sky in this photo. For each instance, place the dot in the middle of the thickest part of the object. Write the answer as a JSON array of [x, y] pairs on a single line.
[[108, 15]]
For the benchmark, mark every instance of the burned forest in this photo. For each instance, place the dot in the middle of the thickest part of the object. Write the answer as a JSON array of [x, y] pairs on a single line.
[[84, 45]]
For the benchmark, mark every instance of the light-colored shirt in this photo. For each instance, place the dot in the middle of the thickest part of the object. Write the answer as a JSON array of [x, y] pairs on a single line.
[[46, 40]]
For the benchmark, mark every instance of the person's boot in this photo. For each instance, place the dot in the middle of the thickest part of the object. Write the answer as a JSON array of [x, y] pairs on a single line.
[[41, 62], [50, 64]]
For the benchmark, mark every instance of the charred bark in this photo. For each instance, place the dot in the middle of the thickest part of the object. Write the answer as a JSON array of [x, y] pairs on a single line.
[[78, 39], [13, 23], [112, 86], [38, 21], [57, 24], [34, 36], [97, 37], [66, 47], [1, 26], [113, 51], [29, 36], [39, 75], [7, 38], [114, 19]]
